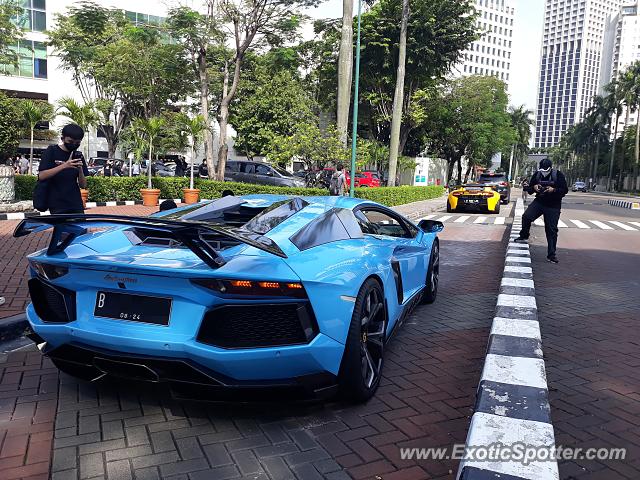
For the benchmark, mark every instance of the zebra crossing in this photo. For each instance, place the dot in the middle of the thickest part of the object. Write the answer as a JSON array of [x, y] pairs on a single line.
[[607, 225]]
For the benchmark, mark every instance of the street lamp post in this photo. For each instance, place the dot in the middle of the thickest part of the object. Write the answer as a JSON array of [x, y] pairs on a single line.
[[354, 132]]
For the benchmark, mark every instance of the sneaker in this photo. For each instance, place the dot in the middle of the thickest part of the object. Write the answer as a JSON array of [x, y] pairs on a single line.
[[521, 240], [553, 259]]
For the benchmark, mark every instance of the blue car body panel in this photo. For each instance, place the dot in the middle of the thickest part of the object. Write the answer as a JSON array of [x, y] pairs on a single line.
[[331, 274]]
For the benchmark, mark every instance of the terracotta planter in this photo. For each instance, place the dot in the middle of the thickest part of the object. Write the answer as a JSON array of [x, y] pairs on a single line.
[[150, 196], [84, 193], [191, 195]]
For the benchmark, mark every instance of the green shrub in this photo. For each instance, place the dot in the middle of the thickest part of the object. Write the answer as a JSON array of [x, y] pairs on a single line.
[[107, 189], [24, 185]]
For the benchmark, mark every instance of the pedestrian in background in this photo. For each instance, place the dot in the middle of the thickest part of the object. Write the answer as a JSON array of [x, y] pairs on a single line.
[[549, 186], [338, 182], [23, 165], [65, 171]]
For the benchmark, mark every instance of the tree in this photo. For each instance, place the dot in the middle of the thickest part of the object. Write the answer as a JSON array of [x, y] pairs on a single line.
[[195, 127], [124, 69], [270, 103], [251, 23], [9, 33], [83, 115], [614, 103], [149, 129], [201, 38], [598, 120], [522, 122], [9, 126], [398, 96], [468, 118], [440, 30], [33, 112], [345, 69], [309, 145]]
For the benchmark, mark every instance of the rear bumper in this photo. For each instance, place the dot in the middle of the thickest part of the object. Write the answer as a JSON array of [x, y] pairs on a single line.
[[185, 378], [322, 354]]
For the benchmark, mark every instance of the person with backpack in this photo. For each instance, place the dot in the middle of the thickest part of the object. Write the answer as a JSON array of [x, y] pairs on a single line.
[[338, 182], [62, 174], [550, 186]]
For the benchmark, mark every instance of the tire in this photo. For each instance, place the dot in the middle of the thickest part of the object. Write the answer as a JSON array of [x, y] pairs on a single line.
[[433, 275], [363, 358], [449, 209], [497, 210]]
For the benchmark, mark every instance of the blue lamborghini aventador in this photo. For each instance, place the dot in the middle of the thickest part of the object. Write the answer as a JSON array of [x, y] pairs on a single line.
[[258, 293]]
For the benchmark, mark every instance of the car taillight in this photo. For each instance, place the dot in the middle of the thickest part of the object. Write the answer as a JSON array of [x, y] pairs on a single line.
[[504, 184], [253, 288], [47, 271], [487, 194], [457, 194]]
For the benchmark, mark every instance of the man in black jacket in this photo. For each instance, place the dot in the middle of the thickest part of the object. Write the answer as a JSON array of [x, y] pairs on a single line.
[[549, 186]]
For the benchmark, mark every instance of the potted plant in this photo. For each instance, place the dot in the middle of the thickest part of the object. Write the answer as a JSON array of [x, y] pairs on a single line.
[[149, 129], [194, 127], [84, 193]]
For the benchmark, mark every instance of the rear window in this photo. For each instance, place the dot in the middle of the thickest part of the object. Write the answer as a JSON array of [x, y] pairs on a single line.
[[275, 215], [492, 177]]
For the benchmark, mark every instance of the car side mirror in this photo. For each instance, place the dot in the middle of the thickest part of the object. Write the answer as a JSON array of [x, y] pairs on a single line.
[[430, 226]]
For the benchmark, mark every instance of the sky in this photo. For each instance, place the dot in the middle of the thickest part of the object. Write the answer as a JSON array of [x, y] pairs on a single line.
[[527, 39]]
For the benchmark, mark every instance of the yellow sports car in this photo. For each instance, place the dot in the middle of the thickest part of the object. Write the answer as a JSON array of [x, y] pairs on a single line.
[[477, 198]]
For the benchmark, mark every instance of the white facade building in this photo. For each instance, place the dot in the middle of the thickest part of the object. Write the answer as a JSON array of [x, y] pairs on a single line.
[[575, 63], [625, 45], [40, 75], [491, 54]]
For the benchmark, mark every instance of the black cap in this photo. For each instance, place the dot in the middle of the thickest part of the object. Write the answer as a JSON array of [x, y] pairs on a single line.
[[545, 164]]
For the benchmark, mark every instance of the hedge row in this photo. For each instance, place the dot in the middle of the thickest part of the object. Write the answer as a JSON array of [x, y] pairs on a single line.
[[107, 189]]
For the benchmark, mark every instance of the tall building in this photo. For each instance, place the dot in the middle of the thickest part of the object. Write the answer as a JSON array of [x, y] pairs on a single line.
[[491, 54], [624, 43], [575, 61]]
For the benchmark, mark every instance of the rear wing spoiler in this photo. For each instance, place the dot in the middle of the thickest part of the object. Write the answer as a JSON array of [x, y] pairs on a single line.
[[67, 228]]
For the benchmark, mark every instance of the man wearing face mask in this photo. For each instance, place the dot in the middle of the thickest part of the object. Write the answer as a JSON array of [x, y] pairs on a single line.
[[65, 171], [549, 186]]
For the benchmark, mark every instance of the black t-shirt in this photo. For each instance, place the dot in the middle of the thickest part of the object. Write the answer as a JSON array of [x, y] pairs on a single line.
[[552, 200], [63, 188]]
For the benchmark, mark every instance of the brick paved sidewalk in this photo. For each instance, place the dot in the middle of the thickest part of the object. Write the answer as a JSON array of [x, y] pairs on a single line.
[[589, 311], [123, 431]]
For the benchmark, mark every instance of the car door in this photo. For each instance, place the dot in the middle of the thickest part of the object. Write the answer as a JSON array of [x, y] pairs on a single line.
[[409, 258], [231, 171], [265, 174], [246, 173]]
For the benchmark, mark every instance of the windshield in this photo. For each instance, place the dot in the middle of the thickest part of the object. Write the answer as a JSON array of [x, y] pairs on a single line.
[[282, 172]]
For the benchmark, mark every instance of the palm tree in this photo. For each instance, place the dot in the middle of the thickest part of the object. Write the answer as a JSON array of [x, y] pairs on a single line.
[[522, 122], [598, 119], [85, 115], [34, 112], [195, 128], [149, 129], [613, 102]]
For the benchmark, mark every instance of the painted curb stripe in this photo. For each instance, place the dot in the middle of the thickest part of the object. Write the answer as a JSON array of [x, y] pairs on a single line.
[[516, 269], [516, 370], [510, 346], [514, 401], [518, 259], [486, 428], [516, 328], [517, 312], [519, 291], [516, 282], [518, 301], [473, 473]]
